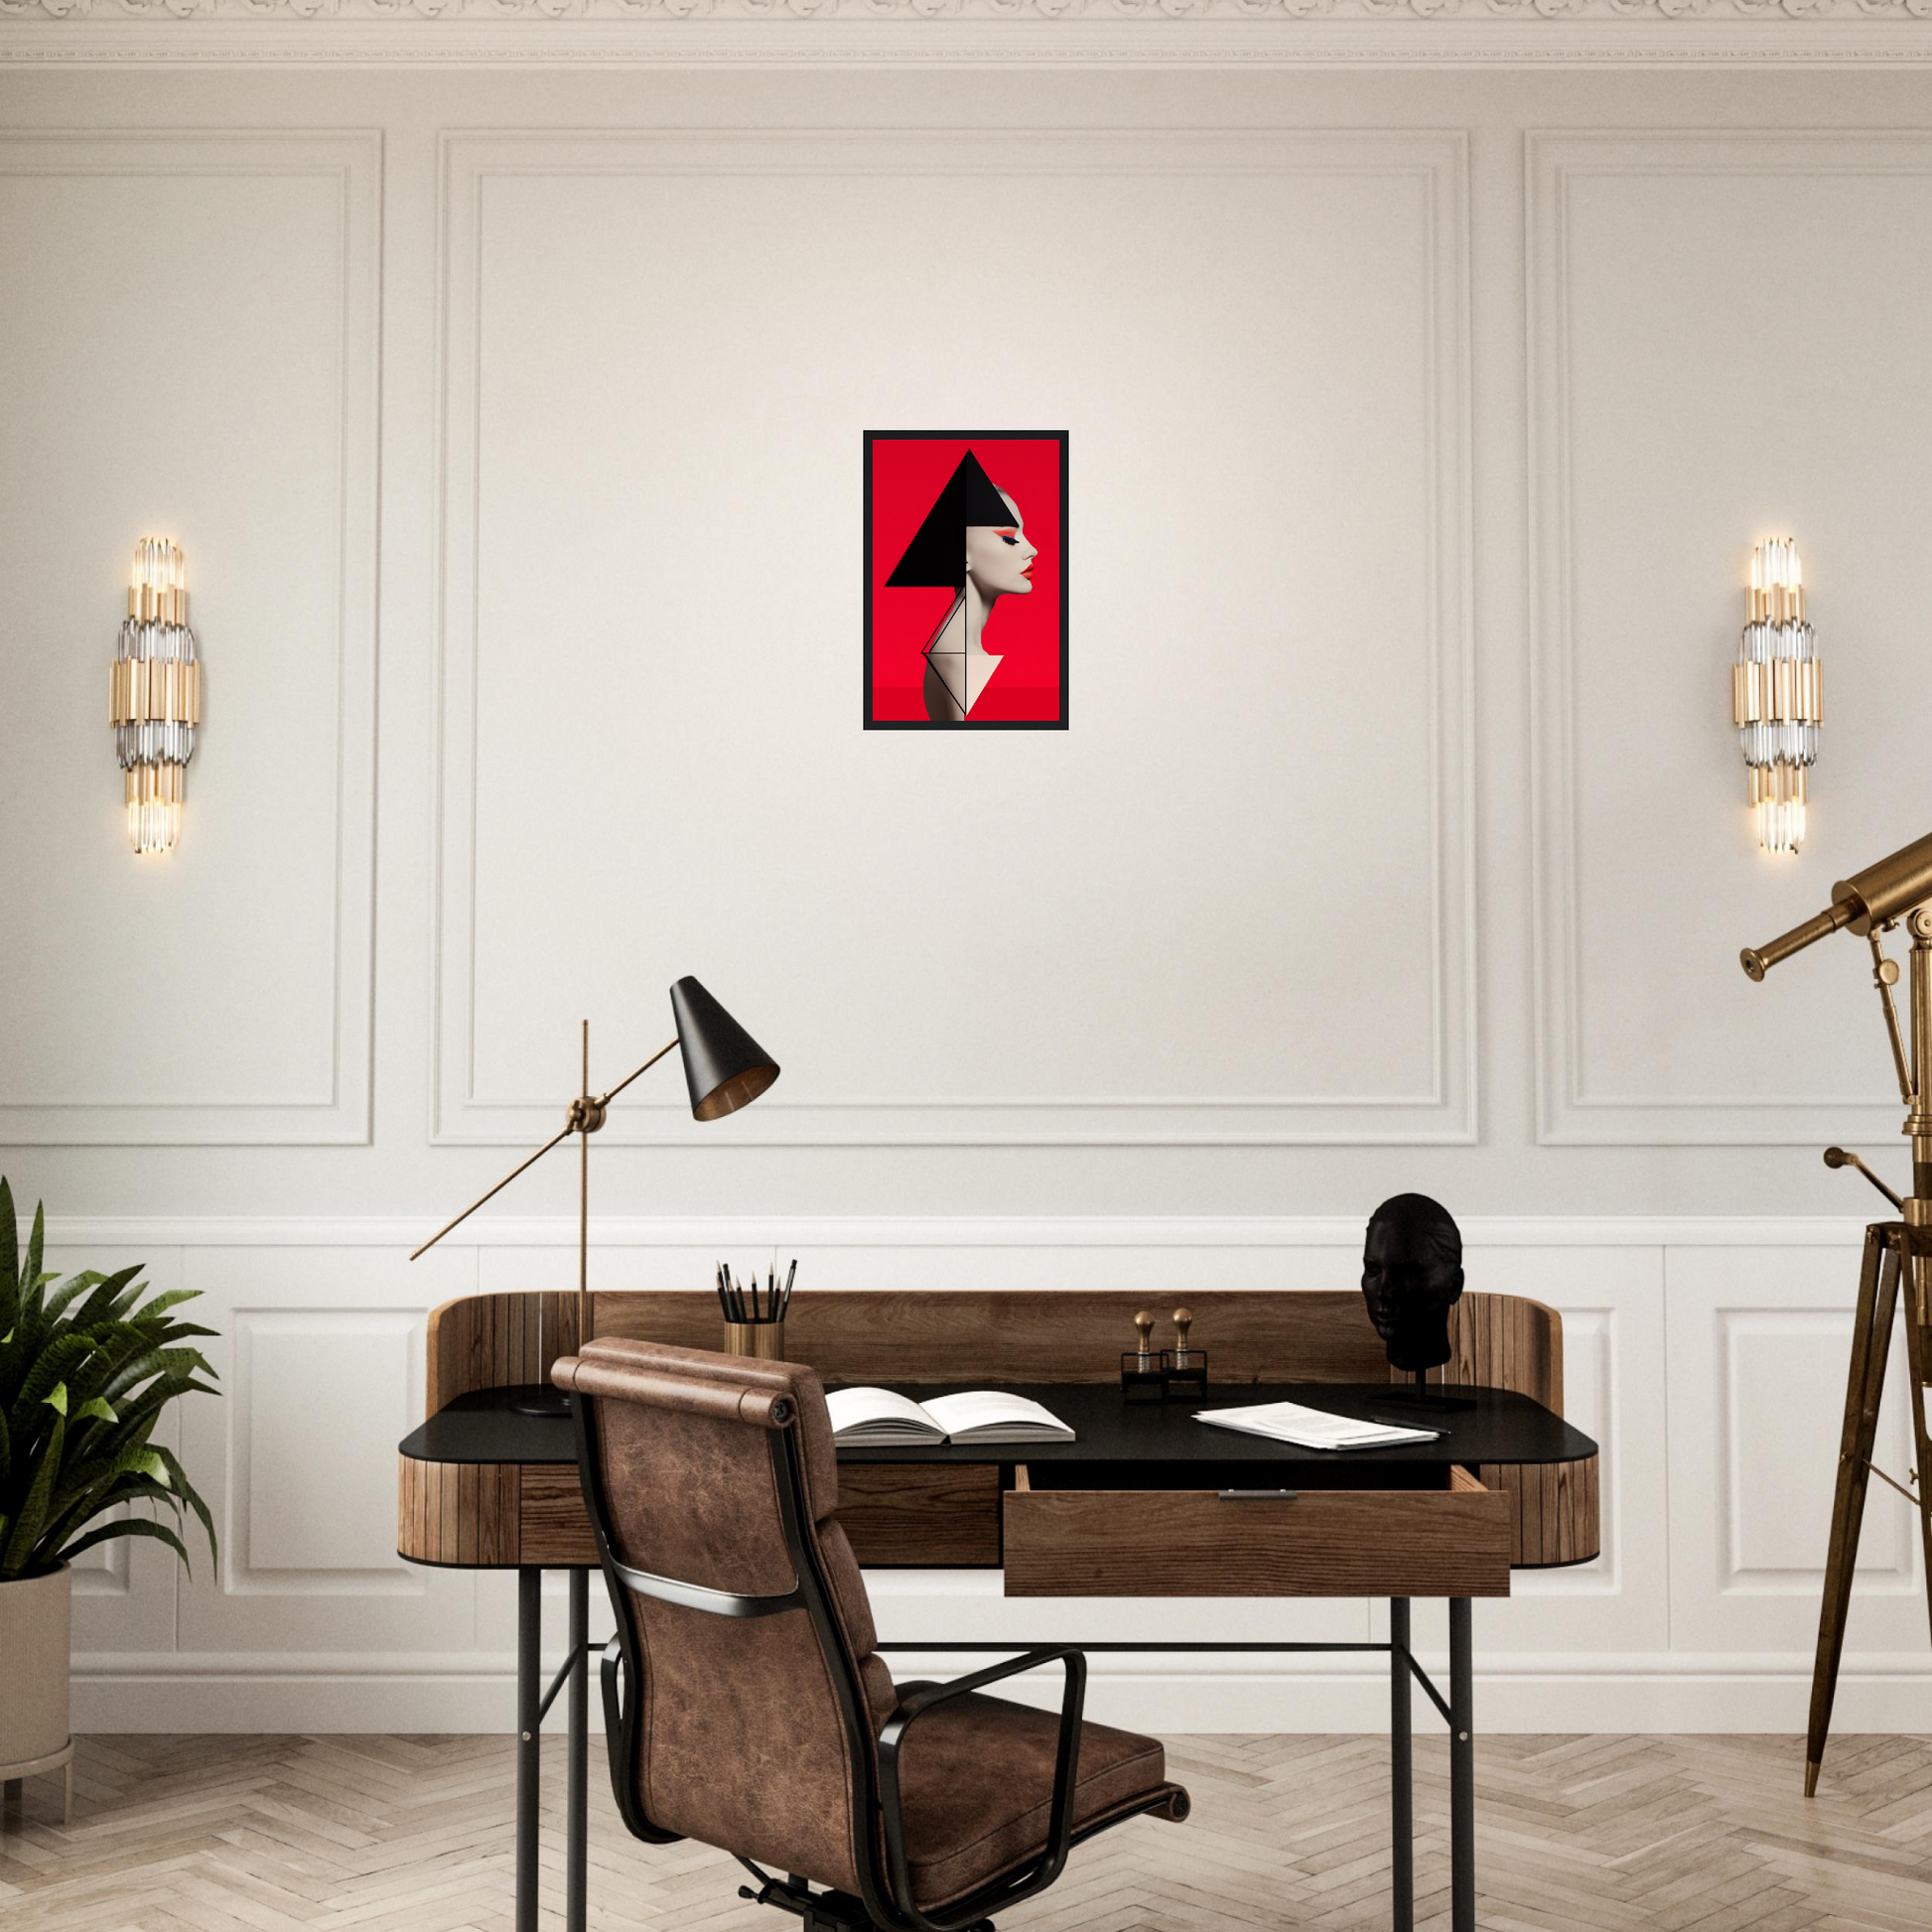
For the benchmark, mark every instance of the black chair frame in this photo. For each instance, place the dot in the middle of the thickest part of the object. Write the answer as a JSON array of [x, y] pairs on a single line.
[[885, 1903]]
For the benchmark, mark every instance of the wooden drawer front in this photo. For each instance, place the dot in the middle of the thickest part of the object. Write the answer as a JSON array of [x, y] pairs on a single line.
[[900, 1513], [1450, 1542]]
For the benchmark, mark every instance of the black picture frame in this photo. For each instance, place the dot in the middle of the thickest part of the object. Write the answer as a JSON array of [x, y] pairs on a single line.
[[1059, 436]]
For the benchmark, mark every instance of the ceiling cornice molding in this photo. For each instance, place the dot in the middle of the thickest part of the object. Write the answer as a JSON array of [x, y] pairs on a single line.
[[967, 33]]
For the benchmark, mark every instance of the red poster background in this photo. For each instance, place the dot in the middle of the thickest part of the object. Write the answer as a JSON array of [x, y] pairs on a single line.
[[1022, 632]]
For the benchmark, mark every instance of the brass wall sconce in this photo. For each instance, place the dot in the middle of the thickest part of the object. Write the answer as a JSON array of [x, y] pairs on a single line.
[[155, 695], [1777, 694]]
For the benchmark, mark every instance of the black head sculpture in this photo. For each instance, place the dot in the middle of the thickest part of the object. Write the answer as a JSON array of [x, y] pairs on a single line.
[[1412, 1276]]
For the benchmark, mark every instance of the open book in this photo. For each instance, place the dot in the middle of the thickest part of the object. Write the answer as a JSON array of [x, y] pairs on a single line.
[[1289, 1422], [879, 1418]]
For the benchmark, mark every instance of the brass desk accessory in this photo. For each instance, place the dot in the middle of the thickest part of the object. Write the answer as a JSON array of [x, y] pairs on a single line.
[[1869, 904], [1150, 1374], [1183, 1369], [1140, 1367], [725, 1069]]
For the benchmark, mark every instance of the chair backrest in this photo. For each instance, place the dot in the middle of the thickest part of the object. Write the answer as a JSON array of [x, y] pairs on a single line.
[[711, 1480]]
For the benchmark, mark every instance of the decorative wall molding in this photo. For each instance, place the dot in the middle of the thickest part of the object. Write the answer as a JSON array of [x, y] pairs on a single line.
[[352, 161], [1760, 1338], [1436, 163], [815, 1234], [1806, 1336], [1672, 11], [349, 1357], [1567, 1114], [948, 34]]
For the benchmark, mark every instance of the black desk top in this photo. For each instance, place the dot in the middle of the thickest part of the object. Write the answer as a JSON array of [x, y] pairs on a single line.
[[1499, 1427]]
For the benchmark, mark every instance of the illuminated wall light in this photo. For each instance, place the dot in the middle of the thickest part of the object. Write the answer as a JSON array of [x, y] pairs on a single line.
[[155, 696], [1777, 694]]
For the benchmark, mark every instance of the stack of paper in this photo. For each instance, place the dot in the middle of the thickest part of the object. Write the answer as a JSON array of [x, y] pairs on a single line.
[[1290, 1422]]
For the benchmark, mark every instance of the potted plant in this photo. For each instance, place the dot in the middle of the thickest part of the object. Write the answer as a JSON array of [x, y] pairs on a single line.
[[86, 1370]]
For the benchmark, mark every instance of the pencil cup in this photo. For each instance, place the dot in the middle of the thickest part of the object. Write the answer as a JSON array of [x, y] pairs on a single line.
[[765, 1339]]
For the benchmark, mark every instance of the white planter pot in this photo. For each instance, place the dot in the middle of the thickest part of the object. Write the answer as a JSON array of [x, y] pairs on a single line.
[[35, 1620]]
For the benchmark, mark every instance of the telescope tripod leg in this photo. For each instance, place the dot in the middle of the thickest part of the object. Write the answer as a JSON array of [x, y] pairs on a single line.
[[1871, 1346], [1918, 1358]]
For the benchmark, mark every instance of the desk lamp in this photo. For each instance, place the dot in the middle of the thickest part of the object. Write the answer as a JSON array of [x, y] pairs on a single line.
[[725, 1069]]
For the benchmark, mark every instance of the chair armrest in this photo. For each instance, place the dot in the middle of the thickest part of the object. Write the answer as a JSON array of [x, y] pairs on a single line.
[[1066, 1764]]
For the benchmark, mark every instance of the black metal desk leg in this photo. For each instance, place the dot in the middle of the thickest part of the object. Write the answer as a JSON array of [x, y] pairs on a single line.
[[1462, 1771], [580, 1744], [529, 1738], [1402, 1811]]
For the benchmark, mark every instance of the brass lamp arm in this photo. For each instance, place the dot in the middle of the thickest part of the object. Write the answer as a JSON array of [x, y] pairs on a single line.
[[562, 1133], [606, 1100], [575, 1124]]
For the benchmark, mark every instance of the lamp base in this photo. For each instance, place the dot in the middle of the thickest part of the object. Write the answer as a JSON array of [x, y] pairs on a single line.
[[539, 1399]]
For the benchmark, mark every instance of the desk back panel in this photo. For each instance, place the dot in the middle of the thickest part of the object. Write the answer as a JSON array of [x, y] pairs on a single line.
[[1500, 1341]]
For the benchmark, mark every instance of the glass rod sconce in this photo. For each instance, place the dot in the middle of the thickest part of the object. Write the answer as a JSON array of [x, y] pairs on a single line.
[[1777, 694], [154, 697]]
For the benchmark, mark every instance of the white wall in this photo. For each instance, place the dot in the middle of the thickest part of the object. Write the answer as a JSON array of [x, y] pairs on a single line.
[[1420, 423]]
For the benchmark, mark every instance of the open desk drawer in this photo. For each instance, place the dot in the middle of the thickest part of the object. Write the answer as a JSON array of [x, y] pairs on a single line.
[[1443, 1535]]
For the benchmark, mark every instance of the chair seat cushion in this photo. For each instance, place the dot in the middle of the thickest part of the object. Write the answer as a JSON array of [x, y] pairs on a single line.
[[976, 1786]]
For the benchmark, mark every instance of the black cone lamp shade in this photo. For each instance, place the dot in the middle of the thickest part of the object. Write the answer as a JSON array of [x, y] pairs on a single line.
[[724, 1066]]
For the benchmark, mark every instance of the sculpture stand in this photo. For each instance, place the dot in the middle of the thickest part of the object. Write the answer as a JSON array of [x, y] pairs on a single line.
[[1425, 1402]]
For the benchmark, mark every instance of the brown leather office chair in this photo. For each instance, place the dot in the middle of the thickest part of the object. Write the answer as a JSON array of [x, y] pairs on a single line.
[[754, 1713]]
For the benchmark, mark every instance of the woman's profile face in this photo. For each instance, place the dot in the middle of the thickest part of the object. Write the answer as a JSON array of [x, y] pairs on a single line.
[[998, 555]]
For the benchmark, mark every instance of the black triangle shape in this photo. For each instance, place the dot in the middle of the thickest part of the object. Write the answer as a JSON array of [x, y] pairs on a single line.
[[937, 553]]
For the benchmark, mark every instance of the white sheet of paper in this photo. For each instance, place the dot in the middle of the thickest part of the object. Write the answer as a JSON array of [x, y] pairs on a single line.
[[1293, 1422]]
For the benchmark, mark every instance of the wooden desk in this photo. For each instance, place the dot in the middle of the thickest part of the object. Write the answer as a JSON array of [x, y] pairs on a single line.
[[921, 1510], [1131, 1508]]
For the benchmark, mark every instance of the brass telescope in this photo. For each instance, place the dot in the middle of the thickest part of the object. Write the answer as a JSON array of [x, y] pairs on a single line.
[[1874, 897], [1897, 1254]]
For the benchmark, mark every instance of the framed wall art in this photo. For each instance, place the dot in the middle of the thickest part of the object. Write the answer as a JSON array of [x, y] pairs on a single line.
[[966, 580]]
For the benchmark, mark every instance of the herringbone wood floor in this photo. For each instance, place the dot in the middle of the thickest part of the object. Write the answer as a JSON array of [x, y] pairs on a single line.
[[1663, 1834]]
